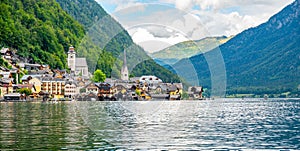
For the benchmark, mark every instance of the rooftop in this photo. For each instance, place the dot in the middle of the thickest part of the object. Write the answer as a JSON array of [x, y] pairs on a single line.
[[81, 62]]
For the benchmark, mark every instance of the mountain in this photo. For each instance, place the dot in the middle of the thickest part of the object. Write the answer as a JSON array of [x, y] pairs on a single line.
[[108, 39], [261, 59], [40, 30], [188, 49], [87, 12]]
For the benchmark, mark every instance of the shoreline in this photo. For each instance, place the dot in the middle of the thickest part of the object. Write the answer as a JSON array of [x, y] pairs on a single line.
[[210, 99]]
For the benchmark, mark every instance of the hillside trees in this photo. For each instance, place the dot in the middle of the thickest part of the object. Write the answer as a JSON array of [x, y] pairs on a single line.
[[39, 30]]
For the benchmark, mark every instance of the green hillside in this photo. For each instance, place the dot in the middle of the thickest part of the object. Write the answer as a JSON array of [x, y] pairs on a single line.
[[40, 30], [108, 39], [84, 11], [188, 49]]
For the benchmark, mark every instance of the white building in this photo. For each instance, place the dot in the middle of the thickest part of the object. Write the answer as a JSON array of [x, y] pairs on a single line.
[[71, 89], [77, 65], [152, 81]]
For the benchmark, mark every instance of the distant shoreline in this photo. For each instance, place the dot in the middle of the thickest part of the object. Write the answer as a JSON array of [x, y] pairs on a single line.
[[215, 99]]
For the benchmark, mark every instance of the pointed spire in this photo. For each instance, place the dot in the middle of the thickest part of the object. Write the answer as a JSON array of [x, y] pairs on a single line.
[[124, 70], [125, 60]]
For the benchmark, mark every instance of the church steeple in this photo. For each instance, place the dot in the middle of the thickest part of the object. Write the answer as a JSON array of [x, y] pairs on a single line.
[[71, 59], [125, 59], [124, 70]]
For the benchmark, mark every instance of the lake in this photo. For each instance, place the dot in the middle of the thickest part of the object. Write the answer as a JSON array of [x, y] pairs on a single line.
[[218, 124]]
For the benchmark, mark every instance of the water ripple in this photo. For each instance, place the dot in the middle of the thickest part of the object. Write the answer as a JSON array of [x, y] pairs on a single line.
[[181, 125]]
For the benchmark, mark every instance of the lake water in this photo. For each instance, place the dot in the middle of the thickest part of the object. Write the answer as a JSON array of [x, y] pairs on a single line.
[[180, 125]]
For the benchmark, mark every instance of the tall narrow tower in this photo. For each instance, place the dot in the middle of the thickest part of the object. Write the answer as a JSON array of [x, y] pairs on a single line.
[[124, 70], [71, 59]]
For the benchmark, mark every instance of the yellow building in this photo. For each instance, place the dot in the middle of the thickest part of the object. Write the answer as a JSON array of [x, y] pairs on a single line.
[[37, 84], [6, 88], [55, 87]]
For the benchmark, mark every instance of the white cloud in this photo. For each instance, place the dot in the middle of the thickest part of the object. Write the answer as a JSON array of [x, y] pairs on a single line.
[[195, 19], [183, 4], [227, 24], [153, 43]]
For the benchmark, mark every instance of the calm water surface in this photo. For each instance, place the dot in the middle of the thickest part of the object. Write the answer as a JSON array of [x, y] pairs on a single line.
[[206, 125]]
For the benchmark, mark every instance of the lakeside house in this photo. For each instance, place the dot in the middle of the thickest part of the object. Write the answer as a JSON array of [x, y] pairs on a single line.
[[195, 93], [71, 89]]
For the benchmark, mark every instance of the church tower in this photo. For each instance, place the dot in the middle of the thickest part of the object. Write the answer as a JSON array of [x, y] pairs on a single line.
[[71, 59], [124, 70]]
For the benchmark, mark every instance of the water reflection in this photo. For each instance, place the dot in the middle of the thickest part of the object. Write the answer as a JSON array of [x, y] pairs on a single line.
[[209, 125], [221, 124], [45, 126]]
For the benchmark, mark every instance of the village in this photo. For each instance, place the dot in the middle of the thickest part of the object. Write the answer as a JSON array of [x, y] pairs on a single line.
[[22, 81]]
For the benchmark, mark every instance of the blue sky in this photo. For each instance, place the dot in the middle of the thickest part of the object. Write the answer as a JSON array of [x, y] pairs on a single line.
[[157, 24]]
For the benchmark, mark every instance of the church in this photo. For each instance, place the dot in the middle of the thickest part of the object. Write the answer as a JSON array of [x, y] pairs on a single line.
[[124, 69], [77, 65]]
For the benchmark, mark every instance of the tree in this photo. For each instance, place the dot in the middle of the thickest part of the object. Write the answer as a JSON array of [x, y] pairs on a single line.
[[25, 91], [98, 76]]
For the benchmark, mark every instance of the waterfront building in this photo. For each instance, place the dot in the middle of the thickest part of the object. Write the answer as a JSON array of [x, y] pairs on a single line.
[[54, 86], [195, 92], [70, 89]]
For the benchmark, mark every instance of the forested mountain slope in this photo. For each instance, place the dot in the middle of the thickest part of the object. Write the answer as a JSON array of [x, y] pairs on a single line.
[[40, 30], [266, 57]]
